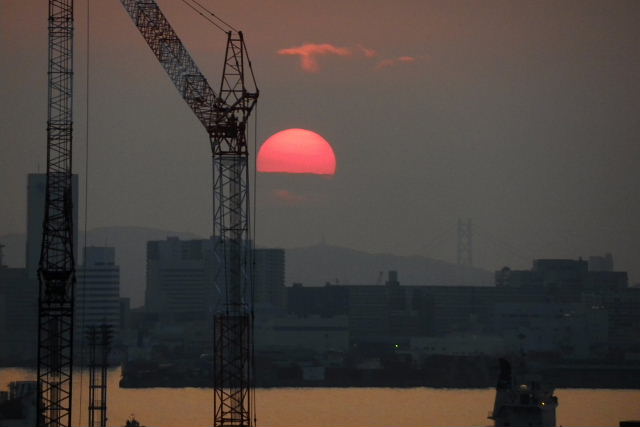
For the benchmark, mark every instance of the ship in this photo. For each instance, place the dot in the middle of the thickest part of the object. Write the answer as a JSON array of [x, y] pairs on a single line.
[[523, 400], [18, 404], [132, 422]]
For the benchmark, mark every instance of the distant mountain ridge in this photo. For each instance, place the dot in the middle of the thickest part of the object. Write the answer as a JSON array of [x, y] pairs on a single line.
[[312, 265]]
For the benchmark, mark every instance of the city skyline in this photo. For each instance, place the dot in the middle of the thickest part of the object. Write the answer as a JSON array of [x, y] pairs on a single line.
[[381, 127], [519, 116]]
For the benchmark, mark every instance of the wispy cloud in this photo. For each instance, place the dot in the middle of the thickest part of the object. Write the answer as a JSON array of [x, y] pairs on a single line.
[[288, 196], [392, 62], [309, 54], [368, 52]]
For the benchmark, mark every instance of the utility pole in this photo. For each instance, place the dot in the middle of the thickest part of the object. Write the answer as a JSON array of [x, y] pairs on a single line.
[[56, 271]]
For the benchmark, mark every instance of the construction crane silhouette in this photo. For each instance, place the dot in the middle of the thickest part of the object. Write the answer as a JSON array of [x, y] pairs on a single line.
[[56, 269], [224, 115]]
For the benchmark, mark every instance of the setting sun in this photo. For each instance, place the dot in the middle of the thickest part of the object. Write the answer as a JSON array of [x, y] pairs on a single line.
[[297, 151]]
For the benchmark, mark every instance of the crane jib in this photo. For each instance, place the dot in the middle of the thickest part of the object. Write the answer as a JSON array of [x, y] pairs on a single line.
[[233, 99], [225, 115]]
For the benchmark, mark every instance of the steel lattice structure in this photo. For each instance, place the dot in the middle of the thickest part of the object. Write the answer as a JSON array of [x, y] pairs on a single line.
[[233, 325], [99, 339], [56, 270], [224, 115]]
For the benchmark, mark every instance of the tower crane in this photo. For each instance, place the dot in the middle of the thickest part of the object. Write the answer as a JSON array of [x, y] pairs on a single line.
[[224, 115], [56, 269]]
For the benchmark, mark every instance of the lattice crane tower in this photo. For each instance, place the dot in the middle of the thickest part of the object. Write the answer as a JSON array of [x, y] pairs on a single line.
[[224, 115], [56, 271]]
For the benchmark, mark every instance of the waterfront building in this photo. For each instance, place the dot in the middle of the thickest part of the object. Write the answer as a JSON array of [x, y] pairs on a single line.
[[269, 277], [179, 279], [97, 296], [559, 307], [567, 330], [566, 274], [319, 334], [18, 316], [601, 263], [457, 345]]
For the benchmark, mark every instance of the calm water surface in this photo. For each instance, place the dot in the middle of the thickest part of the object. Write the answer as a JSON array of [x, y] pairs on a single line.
[[355, 407]]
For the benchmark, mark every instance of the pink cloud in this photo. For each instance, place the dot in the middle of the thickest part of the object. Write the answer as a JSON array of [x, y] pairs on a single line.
[[309, 52], [288, 196], [395, 61], [368, 52]]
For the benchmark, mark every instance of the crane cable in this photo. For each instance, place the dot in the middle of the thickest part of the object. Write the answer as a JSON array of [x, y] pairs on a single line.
[[253, 78], [253, 269], [231, 27], [215, 16], [86, 211], [207, 18], [252, 400]]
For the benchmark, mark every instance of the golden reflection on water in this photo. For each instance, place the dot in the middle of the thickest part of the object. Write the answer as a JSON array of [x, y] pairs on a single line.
[[352, 407]]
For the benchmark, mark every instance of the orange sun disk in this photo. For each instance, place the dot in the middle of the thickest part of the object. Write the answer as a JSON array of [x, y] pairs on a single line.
[[297, 151]]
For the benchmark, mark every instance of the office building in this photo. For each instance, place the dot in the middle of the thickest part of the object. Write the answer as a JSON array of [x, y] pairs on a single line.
[[180, 279], [18, 316], [565, 274], [269, 277], [558, 307], [320, 334], [97, 296], [601, 263]]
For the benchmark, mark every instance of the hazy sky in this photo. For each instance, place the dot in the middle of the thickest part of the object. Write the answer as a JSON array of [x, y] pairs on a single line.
[[522, 115]]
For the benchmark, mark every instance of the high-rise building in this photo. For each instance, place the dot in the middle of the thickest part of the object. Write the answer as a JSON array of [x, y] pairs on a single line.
[[18, 315], [36, 193], [601, 263], [97, 296], [179, 278], [566, 274], [269, 277]]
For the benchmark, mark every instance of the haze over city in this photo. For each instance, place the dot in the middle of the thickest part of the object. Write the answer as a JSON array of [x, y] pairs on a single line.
[[442, 197], [520, 115]]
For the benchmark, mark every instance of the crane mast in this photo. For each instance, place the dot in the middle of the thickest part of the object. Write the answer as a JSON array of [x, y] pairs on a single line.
[[224, 115], [56, 271]]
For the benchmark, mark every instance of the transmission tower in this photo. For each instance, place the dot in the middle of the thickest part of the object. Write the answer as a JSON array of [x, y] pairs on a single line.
[[465, 243], [224, 115], [56, 270]]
